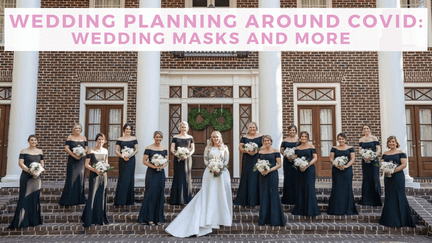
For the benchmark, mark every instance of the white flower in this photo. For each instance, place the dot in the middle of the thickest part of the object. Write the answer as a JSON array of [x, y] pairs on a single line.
[[102, 167], [250, 147], [290, 153], [182, 152], [127, 152], [388, 168], [36, 169], [368, 155], [262, 165], [216, 166], [79, 151], [158, 160], [301, 162], [341, 160]]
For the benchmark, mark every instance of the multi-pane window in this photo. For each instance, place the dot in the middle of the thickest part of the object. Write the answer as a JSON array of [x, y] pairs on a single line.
[[107, 3], [210, 92], [5, 93], [412, 3], [314, 3], [105, 93], [316, 94], [4, 4], [214, 3], [418, 93]]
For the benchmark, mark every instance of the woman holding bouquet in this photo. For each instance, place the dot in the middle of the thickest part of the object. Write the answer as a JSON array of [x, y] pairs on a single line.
[[152, 209], [306, 202], [28, 212], [271, 212], [371, 186], [248, 191], [74, 190], [342, 196], [181, 189], [212, 205], [126, 148], [287, 148], [95, 209], [396, 211]]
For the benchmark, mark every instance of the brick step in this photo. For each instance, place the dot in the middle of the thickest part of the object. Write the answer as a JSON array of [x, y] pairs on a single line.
[[235, 229], [238, 217]]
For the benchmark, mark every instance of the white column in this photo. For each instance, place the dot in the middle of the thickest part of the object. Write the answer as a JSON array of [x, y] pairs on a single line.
[[148, 98], [392, 96], [270, 90], [23, 105]]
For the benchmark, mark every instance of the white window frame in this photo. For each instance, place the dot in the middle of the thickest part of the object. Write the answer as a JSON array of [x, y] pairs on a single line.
[[232, 3], [6, 84], [299, 4], [336, 102], [122, 3], [418, 85], [427, 4], [84, 102], [2, 16]]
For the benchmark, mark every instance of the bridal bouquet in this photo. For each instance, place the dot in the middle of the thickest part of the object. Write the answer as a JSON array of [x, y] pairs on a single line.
[[158, 160], [79, 151], [262, 165], [216, 166], [127, 152], [250, 147], [388, 167], [301, 163], [341, 160], [182, 152], [290, 153], [367, 155], [102, 167], [36, 169]]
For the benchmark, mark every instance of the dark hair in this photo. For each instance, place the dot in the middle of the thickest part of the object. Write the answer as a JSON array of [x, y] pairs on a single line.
[[304, 132], [156, 133], [342, 135], [99, 135], [31, 136], [395, 138], [367, 125], [127, 125], [292, 126]]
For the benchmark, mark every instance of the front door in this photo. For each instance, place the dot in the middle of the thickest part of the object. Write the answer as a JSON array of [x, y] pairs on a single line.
[[319, 122], [419, 140], [201, 137], [4, 129]]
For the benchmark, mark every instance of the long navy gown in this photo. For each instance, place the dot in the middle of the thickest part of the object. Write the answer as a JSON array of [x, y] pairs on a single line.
[[95, 211], [271, 212], [74, 188], [248, 191], [342, 196], [152, 208], [396, 211], [125, 192], [181, 189], [28, 211], [371, 186], [290, 185], [306, 202]]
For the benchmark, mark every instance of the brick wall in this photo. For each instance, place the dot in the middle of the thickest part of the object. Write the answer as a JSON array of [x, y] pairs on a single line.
[[6, 59]]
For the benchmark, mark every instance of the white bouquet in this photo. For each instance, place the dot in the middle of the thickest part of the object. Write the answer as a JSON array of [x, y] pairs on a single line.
[[158, 160], [36, 169], [290, 153], [79, 151], [341, 160], [367, 155], [301, 162], [216, 166], [102, 167], [182, 152], [262, 165], [250, 147], [388, 167], [127, 152]]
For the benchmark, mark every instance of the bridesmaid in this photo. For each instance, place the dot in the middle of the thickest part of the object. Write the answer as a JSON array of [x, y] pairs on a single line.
[[290, 185], [125, 192], [248, 191], [28, 212], [342, 196], [371, 186], [152, 209], [396, 211], [95, 211], [271, 212], [306, 202], [74, 188], [181, 189]]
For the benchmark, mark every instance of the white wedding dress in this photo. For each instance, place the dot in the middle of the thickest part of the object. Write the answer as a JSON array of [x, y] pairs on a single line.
[[211, 206]]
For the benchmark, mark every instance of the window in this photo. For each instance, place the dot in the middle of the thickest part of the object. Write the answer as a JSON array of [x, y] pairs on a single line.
[[412, 3], [107, 3], [314, 3], [418, 93], [210, 92], [215, 3], [4, 4]]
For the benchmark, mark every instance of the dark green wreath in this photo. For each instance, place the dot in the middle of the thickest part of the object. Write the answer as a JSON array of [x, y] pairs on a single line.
[[228, 120], [193, 114]]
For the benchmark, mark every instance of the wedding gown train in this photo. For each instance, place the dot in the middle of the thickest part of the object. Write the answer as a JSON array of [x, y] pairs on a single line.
[[211, 206]]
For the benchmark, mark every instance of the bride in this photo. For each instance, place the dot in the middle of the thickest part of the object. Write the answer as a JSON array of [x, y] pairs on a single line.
[[212, 205]]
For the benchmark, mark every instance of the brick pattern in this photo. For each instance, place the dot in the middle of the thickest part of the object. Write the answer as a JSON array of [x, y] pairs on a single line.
[[6, 60]]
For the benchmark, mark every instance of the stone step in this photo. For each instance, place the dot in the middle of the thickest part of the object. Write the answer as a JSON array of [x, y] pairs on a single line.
[[235, 229]]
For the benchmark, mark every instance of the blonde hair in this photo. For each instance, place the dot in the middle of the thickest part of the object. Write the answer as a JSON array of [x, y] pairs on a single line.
[[220, 140], [186, 124], [76, 125], [251, 123], [268, 137], [156, 133], [391, 138]]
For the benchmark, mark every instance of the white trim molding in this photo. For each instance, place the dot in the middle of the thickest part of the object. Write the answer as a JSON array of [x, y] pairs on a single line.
[[328, 2], [413, 85], [92, 3], [232, 3]]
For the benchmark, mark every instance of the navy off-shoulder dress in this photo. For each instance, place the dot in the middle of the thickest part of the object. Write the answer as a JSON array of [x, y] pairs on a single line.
[[371, 186], [125, 192], [290, 185]]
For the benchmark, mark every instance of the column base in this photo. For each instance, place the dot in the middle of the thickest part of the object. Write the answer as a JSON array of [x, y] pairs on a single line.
[[409, 182], [139, 180], [10, 181]]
